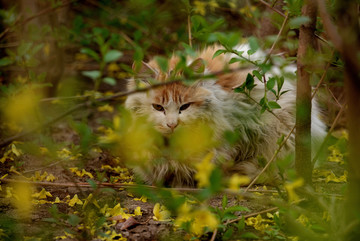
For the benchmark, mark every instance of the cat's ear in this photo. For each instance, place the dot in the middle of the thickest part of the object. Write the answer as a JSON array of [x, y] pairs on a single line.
[[144, 70], [197, 66]]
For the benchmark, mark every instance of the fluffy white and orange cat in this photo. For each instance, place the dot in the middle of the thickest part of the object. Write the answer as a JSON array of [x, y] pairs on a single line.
[[214, 104]]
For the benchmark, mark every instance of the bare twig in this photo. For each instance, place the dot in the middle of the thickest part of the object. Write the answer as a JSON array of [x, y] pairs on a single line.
[[189, 30], [277, 38], [272, 8], [214, 235], [253, 214], [322, 77]]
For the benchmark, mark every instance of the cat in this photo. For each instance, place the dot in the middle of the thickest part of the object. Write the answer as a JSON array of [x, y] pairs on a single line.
[[214, 103]]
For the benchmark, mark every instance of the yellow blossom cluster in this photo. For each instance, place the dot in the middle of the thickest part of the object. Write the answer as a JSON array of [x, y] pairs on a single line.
[[290, 188], [123, 172], [204, 169], [200, 6], [65, 154], [260, 223], [335, 155], [38, 176], [200, 219], [81, 173], [329, 176]]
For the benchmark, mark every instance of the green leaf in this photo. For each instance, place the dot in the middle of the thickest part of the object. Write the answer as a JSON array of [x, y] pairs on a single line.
[[92, 74], [270, 83], [274, 105], [92, 183], [249, 235], [91, 53], [109, 81], [233, 39], [283, 92], [228, 234], [73, 220], [254, 45], [228, 216], [257, 74], [112, 55], [224, 202], [298, 21], [234, 60], [163, 63], [249, 83], [218, 52], [237, 209], [241, 224], [5, 61], [24, 48], [280, 83]]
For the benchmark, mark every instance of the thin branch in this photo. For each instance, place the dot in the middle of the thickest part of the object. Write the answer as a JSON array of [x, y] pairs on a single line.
[[272, 8], [277, 38], [214, 235], [253, 214], [322, 77], [189, 29]]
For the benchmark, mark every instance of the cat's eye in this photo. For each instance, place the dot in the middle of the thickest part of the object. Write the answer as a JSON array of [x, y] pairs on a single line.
[[185, 106], [158, 107]]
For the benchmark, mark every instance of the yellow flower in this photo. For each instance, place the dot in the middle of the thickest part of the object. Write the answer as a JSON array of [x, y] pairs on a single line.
[[23, 109], [200, 7], [290, 188], [332, 178], [161, 213], [112, 67], [16, 151], [142, 198], [43, 194], [204, 169], [199, 219], [335, 155], [203, 218], [303, 220], [137, 211], [258, 223], [106, 107], [46, 49], [236, 181], [75, 200], [22, 200]]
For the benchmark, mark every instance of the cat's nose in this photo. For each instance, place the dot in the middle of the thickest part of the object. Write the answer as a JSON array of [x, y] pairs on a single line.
[[172, 125]]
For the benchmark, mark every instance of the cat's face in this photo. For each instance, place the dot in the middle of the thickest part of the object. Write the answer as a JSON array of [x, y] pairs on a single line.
[[176, 105]]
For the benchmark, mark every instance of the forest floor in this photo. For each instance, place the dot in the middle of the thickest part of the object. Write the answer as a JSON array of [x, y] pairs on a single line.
[[127, 214]]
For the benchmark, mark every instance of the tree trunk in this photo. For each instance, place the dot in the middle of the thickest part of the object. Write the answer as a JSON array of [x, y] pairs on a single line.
[[350, 33], [303, 96]]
